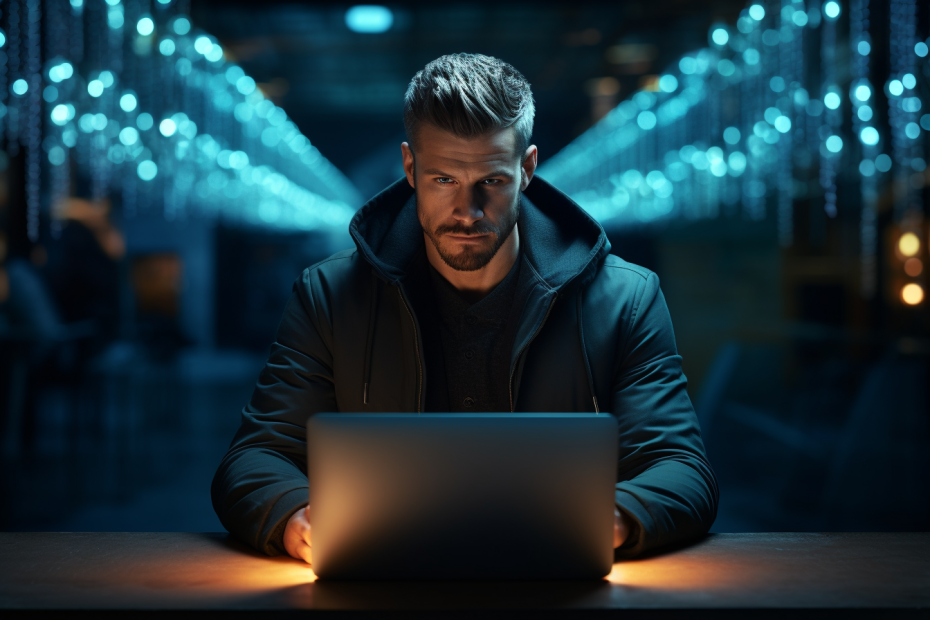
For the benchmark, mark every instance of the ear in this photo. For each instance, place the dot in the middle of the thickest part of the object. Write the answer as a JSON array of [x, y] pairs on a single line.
[[407, 153], [529, 166]]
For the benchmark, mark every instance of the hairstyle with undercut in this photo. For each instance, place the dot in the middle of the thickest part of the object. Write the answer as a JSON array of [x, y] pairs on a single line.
[[470, 95]]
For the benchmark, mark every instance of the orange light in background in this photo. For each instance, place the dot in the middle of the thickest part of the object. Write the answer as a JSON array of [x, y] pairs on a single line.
[[908, 244], [602, 87], [913, 267], [650, 83], [912, 294]]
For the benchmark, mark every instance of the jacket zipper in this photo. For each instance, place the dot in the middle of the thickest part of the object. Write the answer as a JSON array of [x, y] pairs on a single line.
[[528, 343], [416, 347]]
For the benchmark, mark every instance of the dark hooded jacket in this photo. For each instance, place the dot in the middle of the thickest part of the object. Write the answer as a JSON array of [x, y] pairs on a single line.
[[594, 333]]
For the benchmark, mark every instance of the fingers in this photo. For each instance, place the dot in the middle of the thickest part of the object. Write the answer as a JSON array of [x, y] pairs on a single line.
[[297, 541], [621, 528], [306, 553]]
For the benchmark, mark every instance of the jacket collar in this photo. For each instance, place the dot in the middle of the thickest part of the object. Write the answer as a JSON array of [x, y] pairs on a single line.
[[559, 239]]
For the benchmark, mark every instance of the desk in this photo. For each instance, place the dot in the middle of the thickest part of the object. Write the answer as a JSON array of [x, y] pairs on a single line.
[[723, 574]]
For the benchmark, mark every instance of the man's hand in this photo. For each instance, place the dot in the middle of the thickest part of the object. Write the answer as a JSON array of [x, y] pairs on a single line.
[[621, 528], [297, 536]]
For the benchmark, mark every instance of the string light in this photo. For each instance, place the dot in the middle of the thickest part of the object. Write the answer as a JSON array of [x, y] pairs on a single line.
[[33, 109], [903, 111], [869, 137], [746, 122], [220, 149]]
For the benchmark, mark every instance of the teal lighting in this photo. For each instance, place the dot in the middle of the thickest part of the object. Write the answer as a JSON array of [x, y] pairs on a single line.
[[167, 127], [20, 87], [145, 26], [869, 136], [369, 18], [668, 83], [129, 136], [757, 12], [144, 121], [182, 25], [60, 114], [147, 170], [831, 10], [128, 102], [646, 120], [95, 88]]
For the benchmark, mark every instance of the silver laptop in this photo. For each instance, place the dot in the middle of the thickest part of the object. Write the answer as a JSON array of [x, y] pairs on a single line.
[[462, 496]]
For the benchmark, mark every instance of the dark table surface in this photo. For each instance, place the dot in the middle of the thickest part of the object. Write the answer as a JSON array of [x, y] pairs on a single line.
[[723, 573]]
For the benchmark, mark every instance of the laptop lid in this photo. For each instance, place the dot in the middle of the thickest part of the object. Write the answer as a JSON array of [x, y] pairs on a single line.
[[462, 496]]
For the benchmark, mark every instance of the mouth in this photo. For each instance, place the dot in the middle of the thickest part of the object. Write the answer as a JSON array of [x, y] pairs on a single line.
[[467, 238]]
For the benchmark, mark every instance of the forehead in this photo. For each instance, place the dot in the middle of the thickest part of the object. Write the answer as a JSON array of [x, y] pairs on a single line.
[[438, 147]]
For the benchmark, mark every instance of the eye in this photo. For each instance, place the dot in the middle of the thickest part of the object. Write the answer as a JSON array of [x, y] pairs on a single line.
[[490, 181], [444, 180]]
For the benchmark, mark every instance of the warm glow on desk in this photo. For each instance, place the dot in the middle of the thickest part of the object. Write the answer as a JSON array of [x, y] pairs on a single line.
[[682, 573]]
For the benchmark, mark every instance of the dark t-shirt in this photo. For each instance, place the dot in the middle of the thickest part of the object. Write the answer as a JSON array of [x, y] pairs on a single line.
[[468, 345]]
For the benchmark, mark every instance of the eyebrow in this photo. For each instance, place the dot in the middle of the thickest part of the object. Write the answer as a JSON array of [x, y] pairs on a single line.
[[496, 173]]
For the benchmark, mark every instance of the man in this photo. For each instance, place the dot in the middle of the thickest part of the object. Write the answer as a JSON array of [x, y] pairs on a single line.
[[473, 287]]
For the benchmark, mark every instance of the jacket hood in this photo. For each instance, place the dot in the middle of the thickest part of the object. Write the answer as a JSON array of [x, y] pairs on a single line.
[[559, 239]]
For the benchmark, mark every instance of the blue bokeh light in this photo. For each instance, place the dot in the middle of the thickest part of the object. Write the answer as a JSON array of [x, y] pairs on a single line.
[[646, 120], [869, 136], [147, 170], [182, 26], [369, 18], [145, 26], [95, 88]]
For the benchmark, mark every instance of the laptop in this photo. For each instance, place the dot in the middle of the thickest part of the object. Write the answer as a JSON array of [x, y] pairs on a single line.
[[462, 496]]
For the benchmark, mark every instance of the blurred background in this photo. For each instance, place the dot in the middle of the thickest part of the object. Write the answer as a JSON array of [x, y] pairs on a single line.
[[169, 167]]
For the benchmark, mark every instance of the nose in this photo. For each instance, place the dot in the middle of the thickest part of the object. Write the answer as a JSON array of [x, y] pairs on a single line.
[[468, 206]]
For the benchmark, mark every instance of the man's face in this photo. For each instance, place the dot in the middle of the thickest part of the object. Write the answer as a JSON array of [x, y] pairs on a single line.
[[468, 191]]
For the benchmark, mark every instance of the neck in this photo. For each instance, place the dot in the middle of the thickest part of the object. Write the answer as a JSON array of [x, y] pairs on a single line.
[[475, 285]]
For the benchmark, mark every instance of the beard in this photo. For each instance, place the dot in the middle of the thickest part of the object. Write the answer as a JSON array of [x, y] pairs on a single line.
[[473, 258]]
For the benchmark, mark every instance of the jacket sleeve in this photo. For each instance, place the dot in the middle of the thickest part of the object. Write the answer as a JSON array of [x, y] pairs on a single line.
[[666, 484], [262, 480]]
